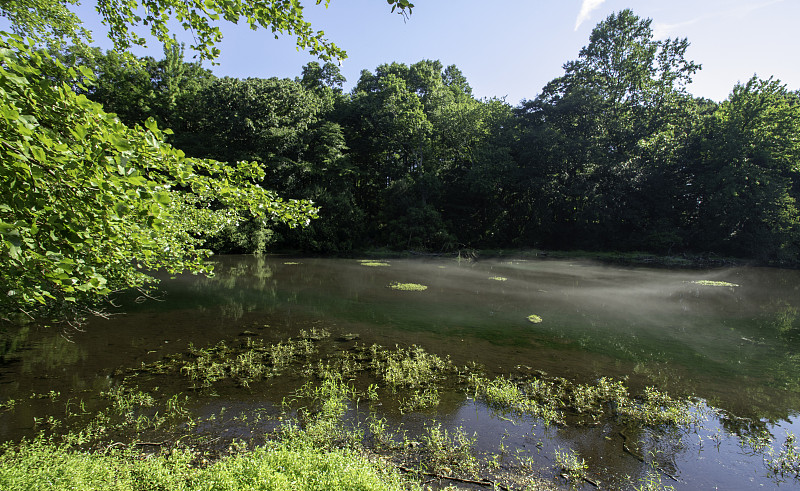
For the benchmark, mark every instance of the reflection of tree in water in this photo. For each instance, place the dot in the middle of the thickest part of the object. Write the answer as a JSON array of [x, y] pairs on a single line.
[[782, 317], [240, 285], [12, 339], [51, 351]]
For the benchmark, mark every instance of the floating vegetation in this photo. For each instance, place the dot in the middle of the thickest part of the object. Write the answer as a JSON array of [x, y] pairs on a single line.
[[534, 318], [497, 278], [372, 263], [713, 283], [408, 287]]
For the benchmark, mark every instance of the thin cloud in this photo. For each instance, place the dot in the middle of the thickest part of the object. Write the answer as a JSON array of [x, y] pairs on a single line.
[[662, 30], [586, 10]]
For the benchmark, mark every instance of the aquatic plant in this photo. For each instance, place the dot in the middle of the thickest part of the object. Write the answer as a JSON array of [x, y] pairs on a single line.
[[420, 399], [571, 464], [408, 287], [446, 453], [410, 368], [534, 318], [786, 462]]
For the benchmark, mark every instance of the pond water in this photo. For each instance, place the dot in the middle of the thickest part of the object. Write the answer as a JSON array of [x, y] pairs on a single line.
[[727, 336]]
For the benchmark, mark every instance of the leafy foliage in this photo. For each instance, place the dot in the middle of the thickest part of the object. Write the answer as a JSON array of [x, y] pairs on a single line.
[[52, 22], [90, 205]]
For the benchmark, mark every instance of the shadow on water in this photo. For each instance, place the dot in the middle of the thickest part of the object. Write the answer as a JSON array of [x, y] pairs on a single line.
[[727, 336]]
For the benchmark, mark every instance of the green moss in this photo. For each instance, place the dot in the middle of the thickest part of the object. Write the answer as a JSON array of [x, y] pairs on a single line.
[[534, 318], [408, 287]]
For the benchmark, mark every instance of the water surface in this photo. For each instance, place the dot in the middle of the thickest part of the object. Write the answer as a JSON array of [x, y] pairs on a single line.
[[733, 346]]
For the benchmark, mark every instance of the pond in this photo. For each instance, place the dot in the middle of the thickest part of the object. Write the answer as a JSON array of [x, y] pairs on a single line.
[[728, 337]]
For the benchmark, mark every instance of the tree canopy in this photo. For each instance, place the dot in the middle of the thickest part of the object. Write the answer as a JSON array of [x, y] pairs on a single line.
[[89, 205], [52, 20]]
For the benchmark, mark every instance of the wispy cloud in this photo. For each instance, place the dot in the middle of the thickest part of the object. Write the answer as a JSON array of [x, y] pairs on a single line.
[[662, 30], [586, 10]]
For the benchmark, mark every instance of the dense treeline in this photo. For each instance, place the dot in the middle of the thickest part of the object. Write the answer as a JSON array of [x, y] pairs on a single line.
[[615, 154]]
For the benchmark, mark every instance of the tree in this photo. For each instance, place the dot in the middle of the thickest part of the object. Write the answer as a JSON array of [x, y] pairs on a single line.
[[598, 124], [50, 20], [747, 173], [89, 205]]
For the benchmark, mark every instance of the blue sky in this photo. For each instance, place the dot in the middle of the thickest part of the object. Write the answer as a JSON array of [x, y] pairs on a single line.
[[512, 49]]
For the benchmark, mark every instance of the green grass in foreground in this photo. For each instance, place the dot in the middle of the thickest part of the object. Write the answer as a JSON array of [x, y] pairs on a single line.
[[41, 465]]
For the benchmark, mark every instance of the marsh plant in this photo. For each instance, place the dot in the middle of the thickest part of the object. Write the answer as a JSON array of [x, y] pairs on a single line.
[[551, 399], [251, 362], [786, 461], [448, 453], [571, 464], [339, 386]]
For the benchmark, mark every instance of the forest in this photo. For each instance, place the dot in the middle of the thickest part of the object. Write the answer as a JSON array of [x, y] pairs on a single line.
[[614, 155]]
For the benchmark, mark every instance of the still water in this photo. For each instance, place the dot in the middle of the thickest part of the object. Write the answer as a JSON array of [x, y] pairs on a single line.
[[728, 336]]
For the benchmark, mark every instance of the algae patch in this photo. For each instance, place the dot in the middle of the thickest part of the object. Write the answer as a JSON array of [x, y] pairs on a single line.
[[371, 263], [497, 278], [534, 318], [713, 283], [408, 287]]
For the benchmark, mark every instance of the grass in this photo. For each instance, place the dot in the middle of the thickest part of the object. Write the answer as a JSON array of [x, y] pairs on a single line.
[[43, 465]]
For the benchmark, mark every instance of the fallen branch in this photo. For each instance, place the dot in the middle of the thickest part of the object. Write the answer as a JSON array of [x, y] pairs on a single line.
[[486, 483]]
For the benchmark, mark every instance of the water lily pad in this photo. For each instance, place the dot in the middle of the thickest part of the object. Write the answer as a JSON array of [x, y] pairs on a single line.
[[408, 287], [534, 318]]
